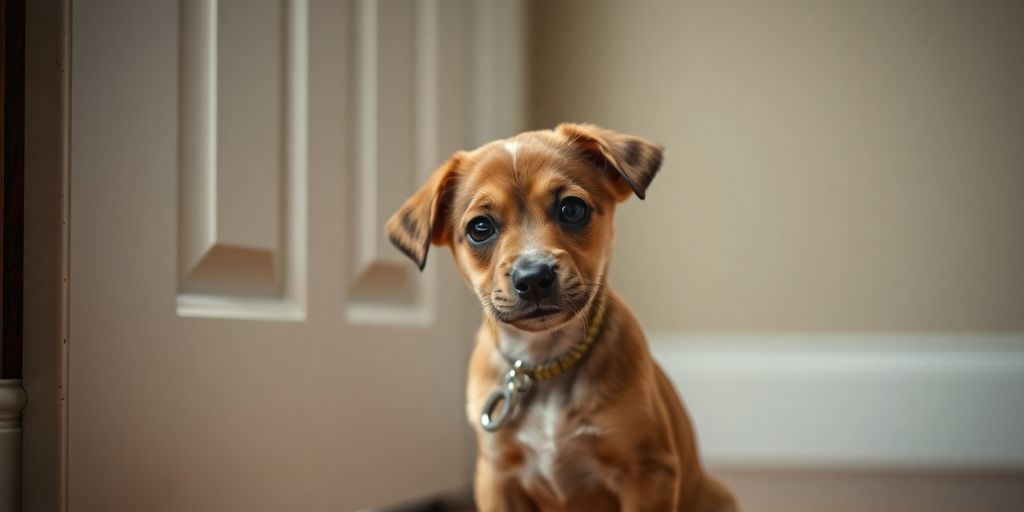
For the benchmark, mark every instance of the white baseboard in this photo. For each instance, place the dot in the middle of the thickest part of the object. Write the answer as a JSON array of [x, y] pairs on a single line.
[[852, 401]]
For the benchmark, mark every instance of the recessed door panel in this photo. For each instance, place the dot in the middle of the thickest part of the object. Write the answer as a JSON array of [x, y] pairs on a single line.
[[242, 158]]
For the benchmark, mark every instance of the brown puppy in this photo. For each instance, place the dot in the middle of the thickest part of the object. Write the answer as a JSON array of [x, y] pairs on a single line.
[[571, 412]]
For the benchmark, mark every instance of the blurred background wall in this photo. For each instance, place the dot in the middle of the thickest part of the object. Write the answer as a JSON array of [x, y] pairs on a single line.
[[830, 167], [830, 265]]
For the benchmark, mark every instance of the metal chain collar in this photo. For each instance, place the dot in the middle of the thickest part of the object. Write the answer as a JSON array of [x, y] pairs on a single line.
[[519, 378]]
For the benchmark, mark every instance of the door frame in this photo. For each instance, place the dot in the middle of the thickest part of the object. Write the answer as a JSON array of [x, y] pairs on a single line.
[[498, 109], [46, 280]]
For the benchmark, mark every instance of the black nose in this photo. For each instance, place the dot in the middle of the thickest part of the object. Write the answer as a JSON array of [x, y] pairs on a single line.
[[533, 280]]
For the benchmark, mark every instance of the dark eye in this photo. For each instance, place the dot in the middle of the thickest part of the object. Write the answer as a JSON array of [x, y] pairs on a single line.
[[572, 211], [480, 229]]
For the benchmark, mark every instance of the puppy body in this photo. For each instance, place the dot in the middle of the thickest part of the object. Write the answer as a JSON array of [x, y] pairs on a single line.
[[609, 434], [529, 222]]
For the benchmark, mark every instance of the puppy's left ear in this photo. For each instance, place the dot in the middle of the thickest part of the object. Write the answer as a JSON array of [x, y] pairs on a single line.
[[421, 219], [634, 160]]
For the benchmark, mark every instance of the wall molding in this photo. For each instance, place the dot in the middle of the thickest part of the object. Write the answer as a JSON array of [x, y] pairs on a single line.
[[848, 401], [12, 401]]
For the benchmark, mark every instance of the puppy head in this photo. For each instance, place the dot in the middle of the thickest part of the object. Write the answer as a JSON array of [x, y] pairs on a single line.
[[529, 219]]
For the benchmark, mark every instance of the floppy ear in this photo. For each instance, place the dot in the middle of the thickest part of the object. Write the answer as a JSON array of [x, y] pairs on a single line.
[[421, 219], [634, 159]]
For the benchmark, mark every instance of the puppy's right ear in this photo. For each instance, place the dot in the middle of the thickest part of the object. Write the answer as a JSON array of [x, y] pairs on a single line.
[[421, 219]]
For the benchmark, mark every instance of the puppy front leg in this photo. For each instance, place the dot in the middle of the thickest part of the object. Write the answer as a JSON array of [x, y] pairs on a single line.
[[498, 492], [651, 486]]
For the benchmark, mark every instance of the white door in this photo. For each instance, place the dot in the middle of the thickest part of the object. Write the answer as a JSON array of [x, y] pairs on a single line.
[[242, 335]]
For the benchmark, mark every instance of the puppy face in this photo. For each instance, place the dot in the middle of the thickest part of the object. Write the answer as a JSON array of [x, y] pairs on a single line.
[[529, 219]]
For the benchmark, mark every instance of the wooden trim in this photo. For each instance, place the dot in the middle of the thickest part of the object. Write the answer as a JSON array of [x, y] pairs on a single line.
[[46, 277]]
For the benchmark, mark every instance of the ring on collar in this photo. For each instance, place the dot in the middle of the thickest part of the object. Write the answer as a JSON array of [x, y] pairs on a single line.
[[517, 383]]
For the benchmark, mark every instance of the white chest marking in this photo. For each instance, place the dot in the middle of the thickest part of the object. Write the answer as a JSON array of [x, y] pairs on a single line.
[[554, 454], [539, 434]]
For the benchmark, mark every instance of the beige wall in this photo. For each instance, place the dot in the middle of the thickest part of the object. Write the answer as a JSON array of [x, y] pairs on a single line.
[[830, 166]]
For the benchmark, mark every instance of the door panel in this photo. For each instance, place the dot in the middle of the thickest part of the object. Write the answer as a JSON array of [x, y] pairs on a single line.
[[397, 126], [242, 158], [242, 337]]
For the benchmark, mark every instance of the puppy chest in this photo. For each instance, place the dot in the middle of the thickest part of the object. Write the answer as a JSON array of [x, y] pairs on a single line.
[[557, 450]]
